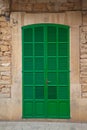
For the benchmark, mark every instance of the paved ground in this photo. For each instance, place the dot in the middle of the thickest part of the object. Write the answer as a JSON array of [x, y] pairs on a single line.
[[42, 126]]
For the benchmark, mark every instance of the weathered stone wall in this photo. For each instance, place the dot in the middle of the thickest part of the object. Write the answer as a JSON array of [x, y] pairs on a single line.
[[5, 50], [83, 60], [4, 7], [35, 6], [83, 51]]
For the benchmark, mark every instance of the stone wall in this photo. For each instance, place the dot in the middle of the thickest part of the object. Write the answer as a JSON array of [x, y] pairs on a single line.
[[4, 7], [5, 50], [83, 60], [83, 52], [35, 6]]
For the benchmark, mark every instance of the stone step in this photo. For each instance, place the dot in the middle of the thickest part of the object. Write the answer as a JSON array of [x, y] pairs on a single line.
[[32, 125]]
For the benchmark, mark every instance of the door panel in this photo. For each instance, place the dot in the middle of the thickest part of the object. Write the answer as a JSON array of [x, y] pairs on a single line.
[[45, 68]]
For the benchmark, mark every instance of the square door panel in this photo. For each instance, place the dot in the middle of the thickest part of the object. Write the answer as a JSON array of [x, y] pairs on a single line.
[[28, 49], [39, 78], [51, 49], [39, 92], [63, 92], [63, 78], [28, 35], [39, 63], [52, 64], [63, 63], [28, 92], [28, 78], [63, 49], [52, 78], [28, 63], [51, 34], [64, 109], [39, 109], [52, 109], [28, 109], [39, 34], [39, 49], [63, 35], [52, 92]]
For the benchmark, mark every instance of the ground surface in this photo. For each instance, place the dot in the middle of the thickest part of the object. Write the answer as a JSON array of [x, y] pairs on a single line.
[[29, 125]]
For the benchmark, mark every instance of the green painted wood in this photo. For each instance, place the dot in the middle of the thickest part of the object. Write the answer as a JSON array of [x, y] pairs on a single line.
[[45, 71]]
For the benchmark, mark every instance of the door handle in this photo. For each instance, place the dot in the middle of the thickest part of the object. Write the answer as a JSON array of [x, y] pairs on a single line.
[[47, 82]]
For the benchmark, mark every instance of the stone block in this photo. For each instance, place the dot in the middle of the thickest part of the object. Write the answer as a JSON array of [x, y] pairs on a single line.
[[6, 37], [4, 68], [0, 77], [84, 88], [84, 95], [40, 7], [5, 77], [2, 19], [5, 31], [5, 82], [5, 90], [84, 4], [5, 95], [5, 73], [84, 17], [83, 55], [7, 53], [84, 29], [73, 18], [0, 53], [5, 59], [4, 48], [52, 7], [83, 80], [5, 64], [5, 86], [3, 24], [27, 7], [46, 5]]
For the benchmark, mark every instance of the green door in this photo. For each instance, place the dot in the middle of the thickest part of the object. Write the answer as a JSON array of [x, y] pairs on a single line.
[[45, 71]]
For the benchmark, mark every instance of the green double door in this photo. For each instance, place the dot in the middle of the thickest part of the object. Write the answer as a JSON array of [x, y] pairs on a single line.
[[45, 71]]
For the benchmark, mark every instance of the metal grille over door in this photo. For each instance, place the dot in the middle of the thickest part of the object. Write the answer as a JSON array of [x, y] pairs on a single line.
[[45, 71]]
